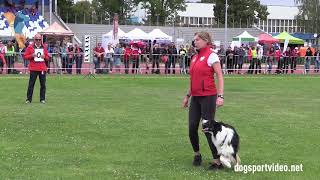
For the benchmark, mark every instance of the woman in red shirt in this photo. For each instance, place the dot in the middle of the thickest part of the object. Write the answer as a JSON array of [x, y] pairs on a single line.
[[205, 96], [37, 67], [126, 59]]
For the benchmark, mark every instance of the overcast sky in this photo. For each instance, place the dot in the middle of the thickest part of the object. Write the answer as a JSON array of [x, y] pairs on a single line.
[[267, 2], [270, 2]]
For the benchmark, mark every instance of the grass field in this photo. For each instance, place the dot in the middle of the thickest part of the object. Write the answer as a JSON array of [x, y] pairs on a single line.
[[122, 127]]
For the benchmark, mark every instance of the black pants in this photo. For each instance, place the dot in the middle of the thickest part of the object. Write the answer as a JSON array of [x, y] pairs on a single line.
[[126, 66], [251, 67], [32, 81], [286, 65], [280, 66], [201, 107], [64, 63], [155, 62], [78, 64], [69, 67], [293, 64], [171, 62], [258, 66], [10, 64], [135, 66]]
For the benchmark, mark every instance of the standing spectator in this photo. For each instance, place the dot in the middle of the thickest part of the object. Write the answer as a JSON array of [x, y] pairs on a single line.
[[25, 62], [56, 58], [191, 52], [155, 59], [277, 56], [317, 61], [259, 60], [286, 59], [126, 59], [98, 57], [294, 56], [10, 50], [50, 51], [165, 58], [253, 60], [70, 52], [64, 57], [242, 54], [221, 54], [308, 60], [229, 57], [250, 60], [78, 58], [235, 59], [118, 51], [38, 68], [109, 58], [135, 59], [182, 57], [172, 58], [270, 59], [2, 56]]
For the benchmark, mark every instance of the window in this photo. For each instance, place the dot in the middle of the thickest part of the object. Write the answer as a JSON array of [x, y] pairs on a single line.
[[205, 21], [200, 20], [191, 20], [278, 29], [195, 20], [278, 22], [269, 29], [273, 29]]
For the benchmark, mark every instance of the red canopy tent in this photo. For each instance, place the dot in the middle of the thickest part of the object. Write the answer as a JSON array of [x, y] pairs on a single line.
[[267, 39]]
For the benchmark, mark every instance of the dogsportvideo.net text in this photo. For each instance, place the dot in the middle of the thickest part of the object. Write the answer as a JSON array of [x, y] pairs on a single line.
[[268, 168]]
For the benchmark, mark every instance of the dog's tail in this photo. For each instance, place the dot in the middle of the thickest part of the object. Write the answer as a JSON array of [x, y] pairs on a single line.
[[238, 160]]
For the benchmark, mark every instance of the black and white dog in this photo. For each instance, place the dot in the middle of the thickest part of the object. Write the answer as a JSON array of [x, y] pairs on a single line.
[[226, 140]]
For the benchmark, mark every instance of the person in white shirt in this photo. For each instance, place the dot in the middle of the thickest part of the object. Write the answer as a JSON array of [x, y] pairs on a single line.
[[259, 59], [109, 58]]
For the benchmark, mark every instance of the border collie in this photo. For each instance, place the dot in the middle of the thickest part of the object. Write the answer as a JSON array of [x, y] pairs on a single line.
[[226, 140]]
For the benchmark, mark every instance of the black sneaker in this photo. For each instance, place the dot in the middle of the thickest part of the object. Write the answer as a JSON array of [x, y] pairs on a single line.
[[197, 159], [214, 166], [28, 102]]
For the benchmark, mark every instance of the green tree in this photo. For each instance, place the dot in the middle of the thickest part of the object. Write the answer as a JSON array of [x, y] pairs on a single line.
[[107, 9], [308, 16], [83, 11], [161, 10], [65, 9], [239, 11]]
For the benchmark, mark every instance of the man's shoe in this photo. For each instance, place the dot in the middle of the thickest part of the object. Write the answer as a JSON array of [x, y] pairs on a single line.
[[197, 160]]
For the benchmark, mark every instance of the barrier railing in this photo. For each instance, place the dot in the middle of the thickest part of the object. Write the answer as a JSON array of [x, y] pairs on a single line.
[[162, 64]]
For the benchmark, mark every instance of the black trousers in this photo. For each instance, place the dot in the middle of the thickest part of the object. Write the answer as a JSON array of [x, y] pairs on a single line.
[[155, 62], [293, 64], [32, 81], [251, 67], [135, 66], [78, 65], [171, 62], [126, 66], [10, 64], [69, 66], [201, 107]]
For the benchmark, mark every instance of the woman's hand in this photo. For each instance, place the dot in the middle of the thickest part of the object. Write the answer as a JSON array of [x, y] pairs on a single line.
[[185, 102], [219, 102]]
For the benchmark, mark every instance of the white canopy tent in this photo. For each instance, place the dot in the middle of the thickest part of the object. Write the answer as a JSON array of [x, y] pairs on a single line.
[[108, 38], [157, 34], [138, 34]]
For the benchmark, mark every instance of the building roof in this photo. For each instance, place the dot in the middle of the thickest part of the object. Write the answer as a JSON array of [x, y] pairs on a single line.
[[282, 12], [197, 10]]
